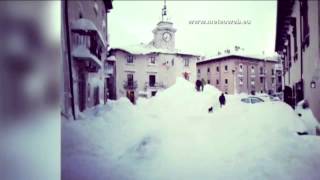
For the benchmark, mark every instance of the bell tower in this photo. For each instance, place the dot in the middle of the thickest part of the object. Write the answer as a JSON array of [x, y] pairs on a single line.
[[164, 33]]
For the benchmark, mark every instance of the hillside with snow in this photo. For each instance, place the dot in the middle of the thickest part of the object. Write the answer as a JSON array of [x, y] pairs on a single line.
[[172, 136]]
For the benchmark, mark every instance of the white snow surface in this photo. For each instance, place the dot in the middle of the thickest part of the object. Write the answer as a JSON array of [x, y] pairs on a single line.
[[172, 136], [307, 118]]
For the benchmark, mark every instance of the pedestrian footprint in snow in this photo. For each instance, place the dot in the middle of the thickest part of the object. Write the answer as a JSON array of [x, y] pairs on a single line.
[[222, 100]]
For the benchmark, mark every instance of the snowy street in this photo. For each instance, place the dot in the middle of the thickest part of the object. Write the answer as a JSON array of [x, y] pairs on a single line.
[[172, 136]]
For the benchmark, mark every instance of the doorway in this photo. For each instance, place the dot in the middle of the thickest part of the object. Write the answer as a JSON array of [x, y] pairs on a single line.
[[82, 91], [131, 96]]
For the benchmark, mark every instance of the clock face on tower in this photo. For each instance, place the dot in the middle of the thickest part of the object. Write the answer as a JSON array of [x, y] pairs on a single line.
[[166, 36]]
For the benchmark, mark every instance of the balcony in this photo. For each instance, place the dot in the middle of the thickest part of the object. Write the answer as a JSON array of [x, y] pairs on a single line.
[[155, 85], [88, 44], [82, 53], [262, 74], [88, 27], [130, 85]]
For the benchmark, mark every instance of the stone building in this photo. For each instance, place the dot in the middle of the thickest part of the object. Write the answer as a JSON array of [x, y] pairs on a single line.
[[84, 51], [232, 73], [145, 69], [298, 43]]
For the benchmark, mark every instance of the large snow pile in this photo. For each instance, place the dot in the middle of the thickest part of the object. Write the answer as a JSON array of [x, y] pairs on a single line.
[[307, 118], [172, 136]]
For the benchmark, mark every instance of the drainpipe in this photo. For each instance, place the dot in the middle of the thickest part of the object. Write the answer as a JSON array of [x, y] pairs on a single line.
[[301, 52], [66, 20]]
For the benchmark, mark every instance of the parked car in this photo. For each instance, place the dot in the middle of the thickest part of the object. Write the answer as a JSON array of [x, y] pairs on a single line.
[[275, 98], [264, 97], [252, 100]]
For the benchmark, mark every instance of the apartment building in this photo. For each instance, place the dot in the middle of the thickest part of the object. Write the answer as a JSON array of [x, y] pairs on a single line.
[[232, 73], [84, 51], [297, 42]]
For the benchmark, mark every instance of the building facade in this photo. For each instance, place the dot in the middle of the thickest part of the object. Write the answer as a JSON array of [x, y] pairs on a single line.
[[145, 69], [297, 42], [84, 50], [239, 74]]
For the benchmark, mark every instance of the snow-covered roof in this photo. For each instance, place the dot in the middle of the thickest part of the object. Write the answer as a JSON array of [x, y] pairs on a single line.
[[111, 58], [241, 55], [149, 48], [82, 53], [87, 25]]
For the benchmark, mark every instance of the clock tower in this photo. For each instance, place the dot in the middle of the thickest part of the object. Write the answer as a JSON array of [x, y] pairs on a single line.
[[164, 33]]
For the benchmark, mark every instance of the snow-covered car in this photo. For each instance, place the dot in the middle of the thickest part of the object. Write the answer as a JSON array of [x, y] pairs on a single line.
[[275, 98], [264, 97], [252, 100]]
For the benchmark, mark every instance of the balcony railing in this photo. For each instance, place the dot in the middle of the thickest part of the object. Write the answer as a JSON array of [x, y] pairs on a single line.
[[130, 85], [154, 85], [262, 74]]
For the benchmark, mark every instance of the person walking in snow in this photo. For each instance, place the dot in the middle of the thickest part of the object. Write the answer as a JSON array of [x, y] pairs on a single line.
[[198, 84], [222, 100]]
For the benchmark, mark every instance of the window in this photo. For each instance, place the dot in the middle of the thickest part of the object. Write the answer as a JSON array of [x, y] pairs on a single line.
[[186, 61], [261, 70], [130, 79], [255, 100], [152, 60], [226, 81], [272, 80], [89, 88], [130, 59], [172, 62], [199, 71], [152, 80], [225, 68], [208, 70], [240, 68], [240, 81], [217, 69], [293, 22], [272, 71], [208, 81], [305, 24], [217, 81], [252, 69], [261, 79], [289, 50], [245, 100], [279, 79]]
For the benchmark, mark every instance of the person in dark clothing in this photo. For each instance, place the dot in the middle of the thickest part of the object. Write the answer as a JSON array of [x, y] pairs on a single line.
[[222, 100], [198, 84]]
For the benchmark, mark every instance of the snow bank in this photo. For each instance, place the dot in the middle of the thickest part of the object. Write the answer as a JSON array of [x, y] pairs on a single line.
[[307, 118], [172, 136]]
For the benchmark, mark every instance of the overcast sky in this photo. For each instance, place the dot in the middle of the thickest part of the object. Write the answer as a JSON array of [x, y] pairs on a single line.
[[132, 22]]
